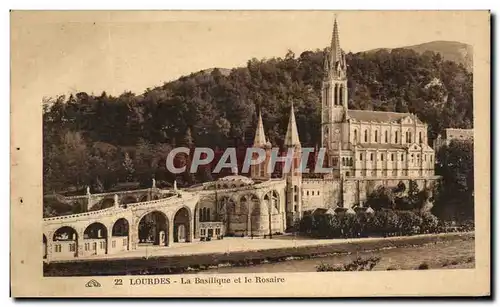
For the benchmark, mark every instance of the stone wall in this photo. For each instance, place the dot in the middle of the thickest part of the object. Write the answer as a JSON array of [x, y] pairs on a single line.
[[319, 193]]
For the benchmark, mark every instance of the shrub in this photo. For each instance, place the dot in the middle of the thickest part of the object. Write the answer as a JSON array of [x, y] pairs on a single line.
[[429, 222], [324, 267], [357, 265], [408, 222], [423, 266]]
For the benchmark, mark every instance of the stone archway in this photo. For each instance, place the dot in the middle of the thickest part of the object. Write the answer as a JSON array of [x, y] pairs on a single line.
[[153, 229], [120, 235], [182, 225], [226, 207], [129, 199], [272, 203], [103, 204], [95, 239], [247, 204], [65, 243]]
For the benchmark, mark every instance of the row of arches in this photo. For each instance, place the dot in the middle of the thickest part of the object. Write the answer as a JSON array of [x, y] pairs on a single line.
[[377, 138], [337, 94], [153, 229], [109, 202]]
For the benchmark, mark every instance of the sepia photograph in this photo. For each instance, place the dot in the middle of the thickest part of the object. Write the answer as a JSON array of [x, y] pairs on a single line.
[[195, 148]]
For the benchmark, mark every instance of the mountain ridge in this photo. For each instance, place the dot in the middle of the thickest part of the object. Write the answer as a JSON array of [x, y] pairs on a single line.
[[458, 52]]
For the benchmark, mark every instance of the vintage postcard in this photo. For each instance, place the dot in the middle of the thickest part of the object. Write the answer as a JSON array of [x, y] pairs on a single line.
[[250, 153]]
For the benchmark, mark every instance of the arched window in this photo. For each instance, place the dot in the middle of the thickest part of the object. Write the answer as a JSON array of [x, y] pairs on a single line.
[[327, 94], [343, 161], [341, 94], [335, 102], [208, 215], [366, 136], [350, 162], [409, 137], [386, 136], [376, 136]]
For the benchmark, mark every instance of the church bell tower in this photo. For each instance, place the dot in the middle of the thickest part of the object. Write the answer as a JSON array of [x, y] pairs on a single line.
[[334, 130]]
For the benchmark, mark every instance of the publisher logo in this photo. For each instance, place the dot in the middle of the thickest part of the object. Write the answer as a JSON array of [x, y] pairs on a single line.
[[92, 283]]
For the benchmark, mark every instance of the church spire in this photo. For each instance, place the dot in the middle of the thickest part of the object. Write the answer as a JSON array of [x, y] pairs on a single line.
[[335, 62], [260, 137], [292, 135], [335, 51]]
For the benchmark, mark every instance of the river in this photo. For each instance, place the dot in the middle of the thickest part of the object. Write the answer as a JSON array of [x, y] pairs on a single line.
[[436, 255]]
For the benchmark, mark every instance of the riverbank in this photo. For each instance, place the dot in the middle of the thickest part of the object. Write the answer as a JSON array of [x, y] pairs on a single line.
[[177, 264]]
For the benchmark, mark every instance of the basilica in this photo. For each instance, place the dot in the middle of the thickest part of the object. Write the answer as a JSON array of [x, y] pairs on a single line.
[[364, 149]]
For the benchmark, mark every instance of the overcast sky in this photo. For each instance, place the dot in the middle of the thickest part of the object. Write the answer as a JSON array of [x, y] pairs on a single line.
[[59, 52]]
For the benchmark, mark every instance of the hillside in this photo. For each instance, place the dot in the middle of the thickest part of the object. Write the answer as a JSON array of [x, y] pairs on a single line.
[[457, 52], [85, 137]]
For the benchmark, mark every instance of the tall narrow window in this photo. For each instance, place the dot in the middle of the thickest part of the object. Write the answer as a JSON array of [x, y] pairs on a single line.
[[376, 136], [420, 137], [360, 156], [336, 87], [409, 137], [392, 157], [355, 136], [382, 157], [386, 136], [396, 137], [327, 94], [366, 136], [341, 95], [371, 157]]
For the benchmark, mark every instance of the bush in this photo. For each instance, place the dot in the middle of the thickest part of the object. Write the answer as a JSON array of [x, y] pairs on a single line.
[[357, 265], [429, 222], [423, 266], [385, 222], [408, 222]]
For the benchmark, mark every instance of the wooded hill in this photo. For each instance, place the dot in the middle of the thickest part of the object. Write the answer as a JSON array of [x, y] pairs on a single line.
[[86, 137]]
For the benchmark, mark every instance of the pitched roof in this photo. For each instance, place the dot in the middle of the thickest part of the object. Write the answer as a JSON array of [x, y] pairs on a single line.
[[378, 116]]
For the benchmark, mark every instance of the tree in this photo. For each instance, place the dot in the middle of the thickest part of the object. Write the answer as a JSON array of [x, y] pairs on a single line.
[[382, 197], [128, 165], [455, 163]]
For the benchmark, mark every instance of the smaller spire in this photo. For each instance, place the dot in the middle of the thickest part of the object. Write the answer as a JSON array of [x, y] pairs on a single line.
[[260, 137], [292, 135]]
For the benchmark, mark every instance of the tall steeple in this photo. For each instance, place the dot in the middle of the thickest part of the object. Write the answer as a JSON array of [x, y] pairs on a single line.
[[335, 53], [292, 135], [335, 63], [260, 136]]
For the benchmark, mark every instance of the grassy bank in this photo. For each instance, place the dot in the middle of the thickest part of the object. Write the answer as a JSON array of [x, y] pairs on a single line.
[[182, 264]]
